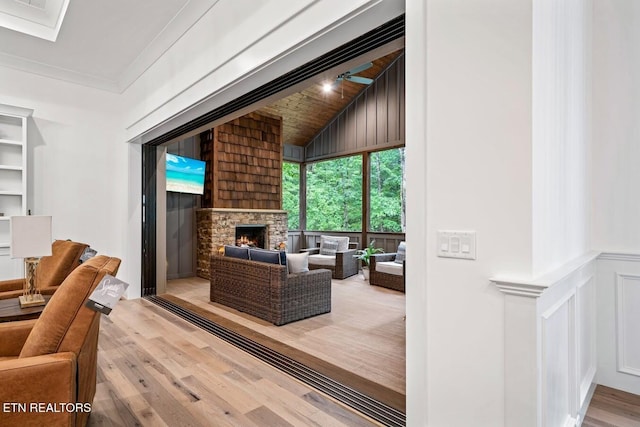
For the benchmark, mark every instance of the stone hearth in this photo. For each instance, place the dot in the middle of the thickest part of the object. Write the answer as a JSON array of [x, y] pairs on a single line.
[[217, 227]]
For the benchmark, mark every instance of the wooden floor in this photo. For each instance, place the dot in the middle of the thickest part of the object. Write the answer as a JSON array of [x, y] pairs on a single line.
[[364, 333], [612, 408], [155, 369]]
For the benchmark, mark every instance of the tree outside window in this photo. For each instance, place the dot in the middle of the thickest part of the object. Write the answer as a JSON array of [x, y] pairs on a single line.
[[334, 194], [291, 193], [387, 191]]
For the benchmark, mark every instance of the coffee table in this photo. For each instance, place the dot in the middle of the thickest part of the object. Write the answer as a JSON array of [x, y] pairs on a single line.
[[10, 310]]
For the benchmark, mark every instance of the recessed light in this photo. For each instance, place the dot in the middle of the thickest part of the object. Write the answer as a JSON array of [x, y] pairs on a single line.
[[327, 87]]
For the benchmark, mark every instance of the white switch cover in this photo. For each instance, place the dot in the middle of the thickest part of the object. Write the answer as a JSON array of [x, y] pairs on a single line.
[[457, 244]]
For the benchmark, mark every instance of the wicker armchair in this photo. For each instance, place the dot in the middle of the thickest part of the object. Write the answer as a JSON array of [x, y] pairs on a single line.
[[386, 278], [267, 291], [344, 264]]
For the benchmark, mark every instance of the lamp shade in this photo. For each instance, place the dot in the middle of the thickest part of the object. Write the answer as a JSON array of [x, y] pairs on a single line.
[[30, 236]]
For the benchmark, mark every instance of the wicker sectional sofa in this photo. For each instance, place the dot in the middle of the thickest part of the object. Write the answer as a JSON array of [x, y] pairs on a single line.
[[267, 291]]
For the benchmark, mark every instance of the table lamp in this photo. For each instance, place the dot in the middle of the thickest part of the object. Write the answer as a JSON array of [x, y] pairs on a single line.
[[30, 239]]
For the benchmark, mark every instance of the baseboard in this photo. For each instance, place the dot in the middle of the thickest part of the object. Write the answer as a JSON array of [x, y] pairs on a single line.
[[582, 412]]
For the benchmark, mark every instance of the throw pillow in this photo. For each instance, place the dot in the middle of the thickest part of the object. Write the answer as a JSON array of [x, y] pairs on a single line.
[[298, 263], [328, 247], [263, 255], [400, 253], [236, 252]]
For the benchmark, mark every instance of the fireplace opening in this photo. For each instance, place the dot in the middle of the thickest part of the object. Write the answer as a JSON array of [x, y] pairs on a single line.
[[251, 236]]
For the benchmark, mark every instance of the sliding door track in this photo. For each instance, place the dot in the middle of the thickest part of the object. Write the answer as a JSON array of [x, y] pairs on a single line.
[[360, 402]]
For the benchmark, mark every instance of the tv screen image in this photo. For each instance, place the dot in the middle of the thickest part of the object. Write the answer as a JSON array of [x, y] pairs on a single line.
[[185, 175]]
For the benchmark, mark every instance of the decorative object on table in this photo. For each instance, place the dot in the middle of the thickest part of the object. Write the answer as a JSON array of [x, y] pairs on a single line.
[[30, 239], [365, 254], [282, 246]]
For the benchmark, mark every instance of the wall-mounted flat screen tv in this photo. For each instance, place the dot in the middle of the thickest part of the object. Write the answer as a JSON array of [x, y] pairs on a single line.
[[185, 175]]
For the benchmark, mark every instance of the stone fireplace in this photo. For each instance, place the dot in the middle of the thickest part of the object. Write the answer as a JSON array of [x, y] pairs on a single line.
[[224, 226], [251, 235]]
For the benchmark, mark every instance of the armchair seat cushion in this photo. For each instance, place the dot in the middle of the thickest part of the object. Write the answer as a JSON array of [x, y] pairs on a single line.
[[389, 267], [329, 260]]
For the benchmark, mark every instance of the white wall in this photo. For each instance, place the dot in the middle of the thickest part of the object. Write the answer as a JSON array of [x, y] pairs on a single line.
[[561, 131], [478, 161], [76, 158], [616, 128]]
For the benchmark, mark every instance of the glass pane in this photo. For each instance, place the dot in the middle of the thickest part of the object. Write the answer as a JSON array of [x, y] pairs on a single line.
[[334, 195], [387, 191], [291, 193]]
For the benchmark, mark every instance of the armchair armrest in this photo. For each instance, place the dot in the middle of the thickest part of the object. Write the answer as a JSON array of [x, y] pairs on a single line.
[[311, 251], [13, 335], [11, 285], [46, 379], [380, 258]]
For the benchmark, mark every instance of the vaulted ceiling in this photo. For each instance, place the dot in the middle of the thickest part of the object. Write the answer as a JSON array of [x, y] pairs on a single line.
[[305, 113]]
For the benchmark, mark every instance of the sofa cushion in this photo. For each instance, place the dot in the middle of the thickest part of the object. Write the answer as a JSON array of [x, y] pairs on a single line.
[[298, 263], [326, 260], [236, 252], [389, 267], [329, 245], [263, 255], [400, 253], [64, 322]]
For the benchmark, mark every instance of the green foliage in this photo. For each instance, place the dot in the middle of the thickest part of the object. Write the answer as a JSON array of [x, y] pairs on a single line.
[[386, 197], [365, 254], [291, 193], [334, 194]]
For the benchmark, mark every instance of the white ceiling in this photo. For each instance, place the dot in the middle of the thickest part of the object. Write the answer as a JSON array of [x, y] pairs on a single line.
[[103, 44]]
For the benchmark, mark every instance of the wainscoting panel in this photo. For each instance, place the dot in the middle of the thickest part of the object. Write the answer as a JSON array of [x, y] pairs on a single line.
[[585, 334], [562, 333], [558, 332], [618, 308], [628, 316]]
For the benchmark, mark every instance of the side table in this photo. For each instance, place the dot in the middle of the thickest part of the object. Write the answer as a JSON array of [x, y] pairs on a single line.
[[10, 310]]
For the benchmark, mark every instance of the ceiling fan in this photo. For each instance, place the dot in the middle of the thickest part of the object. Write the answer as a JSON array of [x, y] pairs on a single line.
[[352, 77]]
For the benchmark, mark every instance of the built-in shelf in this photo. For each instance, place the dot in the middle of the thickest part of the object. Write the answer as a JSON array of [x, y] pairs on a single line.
[[9, 142], [13, 178]]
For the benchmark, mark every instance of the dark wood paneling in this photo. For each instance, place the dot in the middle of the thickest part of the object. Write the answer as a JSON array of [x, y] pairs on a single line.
[[373, 120], [181, 227]]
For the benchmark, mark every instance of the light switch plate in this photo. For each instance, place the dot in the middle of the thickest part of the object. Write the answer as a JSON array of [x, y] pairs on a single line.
[[456, 244]]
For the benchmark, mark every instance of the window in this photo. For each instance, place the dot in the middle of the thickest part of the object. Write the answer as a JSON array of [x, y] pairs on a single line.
[[334, 194], [387, 191], [291, 193]]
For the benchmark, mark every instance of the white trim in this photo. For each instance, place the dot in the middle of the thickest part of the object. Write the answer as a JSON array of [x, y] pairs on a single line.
[[11, 110], [619, 256], [620, 329], [535, 287]]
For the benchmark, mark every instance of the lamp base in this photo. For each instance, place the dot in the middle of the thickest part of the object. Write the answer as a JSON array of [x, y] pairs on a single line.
[[31, 300]]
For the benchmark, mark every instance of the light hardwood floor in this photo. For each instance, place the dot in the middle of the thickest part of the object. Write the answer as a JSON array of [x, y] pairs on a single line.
[[612, 408], [155, 369], [364, 333]]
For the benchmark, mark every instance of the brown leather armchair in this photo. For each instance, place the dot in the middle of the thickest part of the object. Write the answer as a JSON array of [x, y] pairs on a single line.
[[52, 270], [48, 365]]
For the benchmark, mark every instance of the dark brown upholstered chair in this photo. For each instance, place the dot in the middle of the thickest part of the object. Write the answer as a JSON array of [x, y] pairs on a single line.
[[386, 279], [53, 359], [52, 270], [342, 265], [267, 291]]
